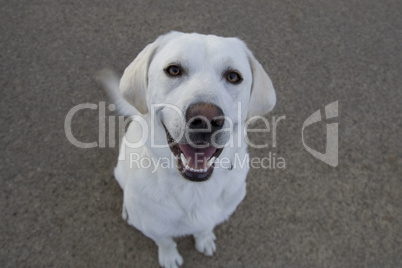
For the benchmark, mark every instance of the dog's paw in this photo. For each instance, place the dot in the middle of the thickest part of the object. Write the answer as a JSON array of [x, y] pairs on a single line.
[[205, 243], [169, 257]]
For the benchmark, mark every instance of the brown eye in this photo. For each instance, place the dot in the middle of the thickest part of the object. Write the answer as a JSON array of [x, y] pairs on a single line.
[[173, 70], [233, 77]]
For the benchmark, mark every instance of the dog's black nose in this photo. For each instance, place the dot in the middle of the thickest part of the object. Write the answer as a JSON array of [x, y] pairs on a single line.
[[204, 116]]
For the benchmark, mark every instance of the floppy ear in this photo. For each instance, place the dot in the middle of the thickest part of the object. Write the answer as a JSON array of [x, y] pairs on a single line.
[[134, 81], [263, 97]]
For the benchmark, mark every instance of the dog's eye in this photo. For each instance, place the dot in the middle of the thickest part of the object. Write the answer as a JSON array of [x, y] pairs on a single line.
[[233, 77], [173, 70]]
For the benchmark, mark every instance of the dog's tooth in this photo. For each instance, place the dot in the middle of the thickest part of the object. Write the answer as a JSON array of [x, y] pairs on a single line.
[[183, 159], [201, 170], [211, 161]]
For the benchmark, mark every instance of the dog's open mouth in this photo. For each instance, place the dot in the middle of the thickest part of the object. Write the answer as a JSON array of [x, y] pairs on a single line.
[[195, 162]]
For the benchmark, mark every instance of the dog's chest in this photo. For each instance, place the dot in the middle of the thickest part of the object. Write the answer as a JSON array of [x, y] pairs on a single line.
[[177, 207], [203, 208], [198, 211]]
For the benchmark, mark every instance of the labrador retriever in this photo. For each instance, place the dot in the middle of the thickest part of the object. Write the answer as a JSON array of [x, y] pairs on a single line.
[[181, 162]]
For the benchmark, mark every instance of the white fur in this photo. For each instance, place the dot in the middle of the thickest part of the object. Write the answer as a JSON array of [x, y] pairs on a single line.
[[158, 201]]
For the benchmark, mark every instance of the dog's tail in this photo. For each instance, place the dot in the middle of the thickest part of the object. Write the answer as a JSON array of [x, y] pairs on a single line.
[[110, 81]]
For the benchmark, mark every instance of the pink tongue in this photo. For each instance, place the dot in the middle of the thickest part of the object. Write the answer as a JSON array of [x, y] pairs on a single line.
[[197, 157]]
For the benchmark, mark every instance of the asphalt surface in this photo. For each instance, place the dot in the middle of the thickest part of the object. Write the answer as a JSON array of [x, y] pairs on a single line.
[[60, 205]]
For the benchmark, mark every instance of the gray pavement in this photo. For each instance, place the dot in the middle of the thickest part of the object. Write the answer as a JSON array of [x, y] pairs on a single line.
[[60, 206]]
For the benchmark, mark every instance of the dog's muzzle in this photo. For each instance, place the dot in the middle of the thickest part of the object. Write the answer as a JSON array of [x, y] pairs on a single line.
[[196, 153]]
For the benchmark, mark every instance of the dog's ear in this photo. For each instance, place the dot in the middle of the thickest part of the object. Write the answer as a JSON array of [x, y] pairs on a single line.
[[263, 97], [134, 82]]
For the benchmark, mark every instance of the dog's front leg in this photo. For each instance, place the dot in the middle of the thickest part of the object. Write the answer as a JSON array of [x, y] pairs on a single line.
[[168, 255], [205, 242]]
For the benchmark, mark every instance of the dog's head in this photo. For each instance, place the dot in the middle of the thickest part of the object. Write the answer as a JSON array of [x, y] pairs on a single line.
[[199, 89]]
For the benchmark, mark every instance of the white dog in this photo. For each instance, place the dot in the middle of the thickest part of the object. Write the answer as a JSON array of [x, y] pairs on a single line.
[[189, 96]]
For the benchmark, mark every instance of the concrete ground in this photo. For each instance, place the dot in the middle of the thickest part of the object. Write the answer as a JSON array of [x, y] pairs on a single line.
[[60, 205]]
